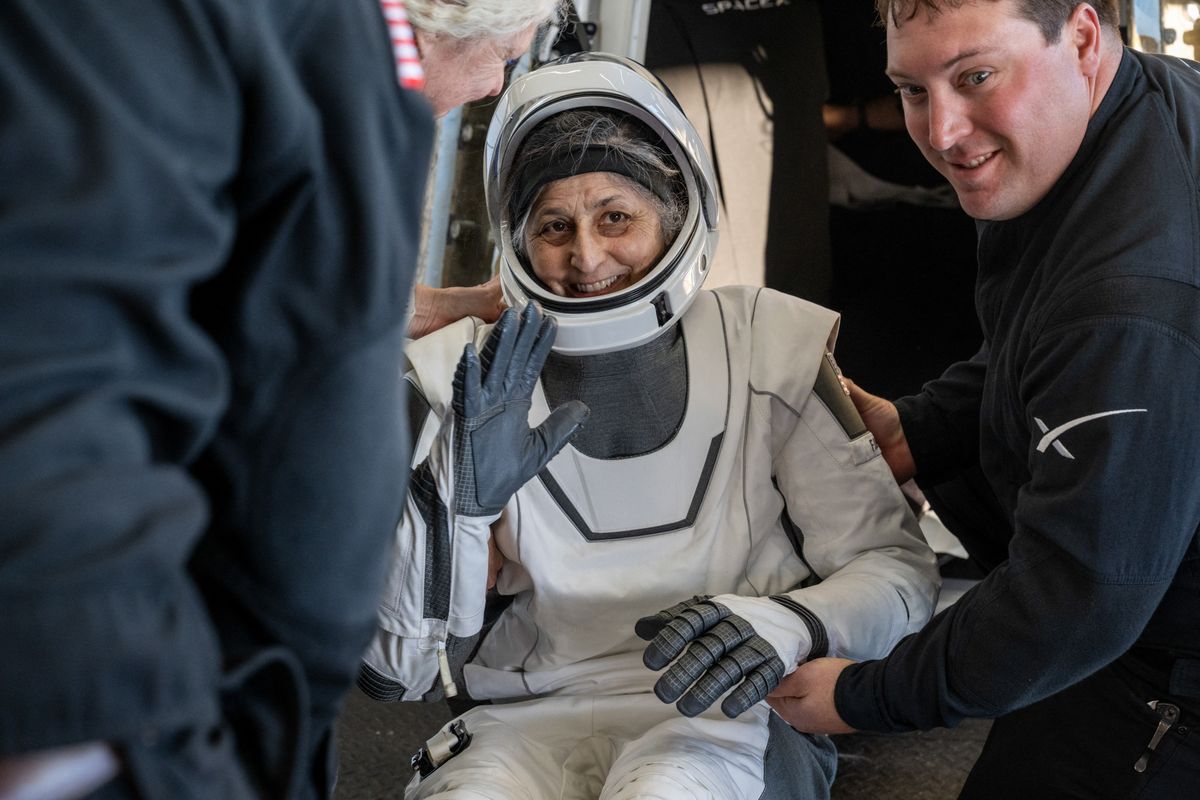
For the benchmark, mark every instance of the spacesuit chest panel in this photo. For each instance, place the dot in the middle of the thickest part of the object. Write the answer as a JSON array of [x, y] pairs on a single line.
[[607, 499]]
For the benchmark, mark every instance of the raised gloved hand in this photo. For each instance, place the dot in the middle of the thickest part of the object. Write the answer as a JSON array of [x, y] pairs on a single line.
[[495, 450], [746, 644]]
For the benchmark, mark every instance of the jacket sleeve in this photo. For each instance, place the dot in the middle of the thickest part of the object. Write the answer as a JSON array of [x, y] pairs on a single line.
[[1102, 526], [877, 577], [941, 423], [432, 608]]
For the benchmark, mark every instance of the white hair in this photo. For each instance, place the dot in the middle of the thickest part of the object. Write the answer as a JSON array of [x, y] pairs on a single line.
[[469, 19]]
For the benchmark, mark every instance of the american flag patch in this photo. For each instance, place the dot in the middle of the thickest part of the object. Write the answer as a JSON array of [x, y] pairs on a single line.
[[404, 45]]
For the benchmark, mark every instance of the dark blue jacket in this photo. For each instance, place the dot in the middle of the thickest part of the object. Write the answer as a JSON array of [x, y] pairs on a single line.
[[209, 217]]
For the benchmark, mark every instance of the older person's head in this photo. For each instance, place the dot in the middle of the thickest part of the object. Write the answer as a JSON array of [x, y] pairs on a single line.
[[466, 45], [596, 199], [602, 200]]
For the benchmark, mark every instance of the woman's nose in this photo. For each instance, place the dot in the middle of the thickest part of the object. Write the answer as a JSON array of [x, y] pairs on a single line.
[[587, 253]]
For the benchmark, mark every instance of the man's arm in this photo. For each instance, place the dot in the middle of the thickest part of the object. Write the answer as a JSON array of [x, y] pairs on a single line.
[[941, 423], [1101, 530], [942, 420]]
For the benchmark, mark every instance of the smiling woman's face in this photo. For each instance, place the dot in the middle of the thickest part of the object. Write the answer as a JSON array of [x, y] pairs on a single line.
[[593, 234]]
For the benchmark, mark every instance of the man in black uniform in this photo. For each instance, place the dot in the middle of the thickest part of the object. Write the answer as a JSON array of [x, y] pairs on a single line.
[[209, 214], [1073, 428]]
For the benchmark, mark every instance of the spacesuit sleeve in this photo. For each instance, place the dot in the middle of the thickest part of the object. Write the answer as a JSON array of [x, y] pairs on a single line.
[[432, 608], [877, 578]]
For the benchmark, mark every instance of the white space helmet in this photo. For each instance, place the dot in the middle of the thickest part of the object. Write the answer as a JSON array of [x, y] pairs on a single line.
[[639, 312]]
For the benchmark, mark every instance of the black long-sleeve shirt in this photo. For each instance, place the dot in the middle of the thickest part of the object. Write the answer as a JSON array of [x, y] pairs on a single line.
[[209, 214], [1081, 411]]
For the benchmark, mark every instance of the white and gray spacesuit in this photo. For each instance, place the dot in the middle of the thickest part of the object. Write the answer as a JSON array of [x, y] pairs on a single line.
[[722, 467]]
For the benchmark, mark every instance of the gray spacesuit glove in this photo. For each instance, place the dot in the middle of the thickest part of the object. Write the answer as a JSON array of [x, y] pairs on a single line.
[[495, 450], [725, 650]]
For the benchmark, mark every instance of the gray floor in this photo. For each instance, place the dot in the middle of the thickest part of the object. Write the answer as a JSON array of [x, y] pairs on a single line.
[[377, 740], [914, 766]]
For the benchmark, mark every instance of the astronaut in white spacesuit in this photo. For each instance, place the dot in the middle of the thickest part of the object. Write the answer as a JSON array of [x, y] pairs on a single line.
[[722, 475]]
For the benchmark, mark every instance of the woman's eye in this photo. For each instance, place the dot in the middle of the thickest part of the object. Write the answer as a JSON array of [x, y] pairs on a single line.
[[554, 232], [909, 91], [615, 217], [979, 77]]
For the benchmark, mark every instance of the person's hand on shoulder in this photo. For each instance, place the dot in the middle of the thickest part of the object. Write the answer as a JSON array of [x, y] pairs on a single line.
[[434, 308], [485, 301], [804, 699]]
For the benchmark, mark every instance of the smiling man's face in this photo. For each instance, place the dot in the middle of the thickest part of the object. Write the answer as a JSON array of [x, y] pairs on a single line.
[[992, 106]]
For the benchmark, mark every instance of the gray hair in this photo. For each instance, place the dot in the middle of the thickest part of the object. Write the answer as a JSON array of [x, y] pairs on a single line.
[[576, 131], [470, 19]]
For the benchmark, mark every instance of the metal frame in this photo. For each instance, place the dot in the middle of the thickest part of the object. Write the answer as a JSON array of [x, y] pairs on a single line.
[[439, 194]]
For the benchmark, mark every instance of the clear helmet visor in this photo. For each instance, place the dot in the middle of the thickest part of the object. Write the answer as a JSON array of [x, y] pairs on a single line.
[[641, 311]]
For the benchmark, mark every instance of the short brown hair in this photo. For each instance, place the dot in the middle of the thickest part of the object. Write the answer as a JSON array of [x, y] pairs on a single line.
[[1049, 15]]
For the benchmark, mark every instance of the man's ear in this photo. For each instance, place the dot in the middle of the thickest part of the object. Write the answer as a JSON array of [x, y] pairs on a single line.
[[1086, 33]]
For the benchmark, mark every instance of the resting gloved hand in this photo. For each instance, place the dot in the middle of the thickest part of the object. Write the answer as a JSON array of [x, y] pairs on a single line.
[[495, 450], [746, 644]]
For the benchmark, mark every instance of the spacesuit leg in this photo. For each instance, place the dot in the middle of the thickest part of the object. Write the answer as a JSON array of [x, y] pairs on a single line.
[[502, 762], [560, 747], [700, 758]]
